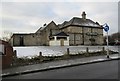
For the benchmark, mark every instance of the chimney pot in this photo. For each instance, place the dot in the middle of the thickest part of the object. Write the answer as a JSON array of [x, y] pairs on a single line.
[[84, 15]]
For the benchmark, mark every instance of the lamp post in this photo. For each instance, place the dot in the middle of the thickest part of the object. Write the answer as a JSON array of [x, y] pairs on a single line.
[[106, 28]]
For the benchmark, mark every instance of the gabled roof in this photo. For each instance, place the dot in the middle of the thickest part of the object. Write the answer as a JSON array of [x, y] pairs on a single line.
[[52, 22], [61, 34], [81, 22], [63, 24], [4, 42], [23, 33], [42, 28]]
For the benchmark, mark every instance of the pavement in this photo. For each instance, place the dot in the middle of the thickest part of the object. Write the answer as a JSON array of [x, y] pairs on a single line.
[[56, 65]]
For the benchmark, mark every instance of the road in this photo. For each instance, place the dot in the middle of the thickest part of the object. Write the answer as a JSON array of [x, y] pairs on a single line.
[[102, 70]]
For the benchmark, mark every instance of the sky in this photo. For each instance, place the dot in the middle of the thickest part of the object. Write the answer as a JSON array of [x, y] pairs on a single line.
[[27, 16]]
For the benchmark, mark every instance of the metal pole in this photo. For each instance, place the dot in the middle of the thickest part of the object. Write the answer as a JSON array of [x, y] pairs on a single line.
[[107, 46]]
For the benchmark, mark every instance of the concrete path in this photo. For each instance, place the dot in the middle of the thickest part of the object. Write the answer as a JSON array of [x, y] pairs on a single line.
[[55, 65]]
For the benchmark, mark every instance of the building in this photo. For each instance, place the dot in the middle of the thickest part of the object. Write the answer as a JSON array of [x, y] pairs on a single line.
[[60, 39], [6, 54], [81, 31]]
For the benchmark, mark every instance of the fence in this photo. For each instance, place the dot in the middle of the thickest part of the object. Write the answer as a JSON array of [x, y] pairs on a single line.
[[68, 50]]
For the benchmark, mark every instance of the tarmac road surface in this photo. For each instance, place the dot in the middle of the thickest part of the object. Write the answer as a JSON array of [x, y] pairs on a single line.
[[101, 70]]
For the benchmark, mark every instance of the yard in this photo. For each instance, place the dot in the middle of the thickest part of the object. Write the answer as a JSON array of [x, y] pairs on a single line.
[[30, 55], [31, 51]]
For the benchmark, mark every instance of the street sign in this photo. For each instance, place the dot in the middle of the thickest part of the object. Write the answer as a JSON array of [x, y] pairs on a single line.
[[106, 28]]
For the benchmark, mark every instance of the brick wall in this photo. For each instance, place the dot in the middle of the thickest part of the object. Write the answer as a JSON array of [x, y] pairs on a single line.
[[7, 57]]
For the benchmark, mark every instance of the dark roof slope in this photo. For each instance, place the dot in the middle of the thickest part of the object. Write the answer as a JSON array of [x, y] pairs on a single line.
[[42, 28], [52, 22], [39, 30], [23, 33], [82, 22], [61, 34], [63, 24], [5, 42]]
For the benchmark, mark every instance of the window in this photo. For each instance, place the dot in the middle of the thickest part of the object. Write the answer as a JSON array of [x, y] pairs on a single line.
[[92, 39], [1, 49], [51, 38], [77, 37], [58, 38], [71, 36]]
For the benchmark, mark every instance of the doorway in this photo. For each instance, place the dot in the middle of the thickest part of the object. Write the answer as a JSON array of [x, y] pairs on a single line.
[[62, 42], [21, 41]]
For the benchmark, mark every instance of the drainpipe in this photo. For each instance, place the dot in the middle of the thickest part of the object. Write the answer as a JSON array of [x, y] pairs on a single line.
[[83, 35]]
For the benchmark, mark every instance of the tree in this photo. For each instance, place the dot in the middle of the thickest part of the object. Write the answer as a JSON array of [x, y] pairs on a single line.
[[113, 38], [6, 35]]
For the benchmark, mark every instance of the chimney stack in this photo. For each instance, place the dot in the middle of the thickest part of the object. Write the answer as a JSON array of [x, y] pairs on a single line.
[[84, 15]]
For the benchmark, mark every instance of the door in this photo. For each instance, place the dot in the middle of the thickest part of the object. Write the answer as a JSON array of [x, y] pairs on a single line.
[[92, 40], [21, 41], [62, 42]]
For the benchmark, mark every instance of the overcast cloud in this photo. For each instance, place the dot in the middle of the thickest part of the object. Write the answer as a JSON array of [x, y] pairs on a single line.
[[29, 16]]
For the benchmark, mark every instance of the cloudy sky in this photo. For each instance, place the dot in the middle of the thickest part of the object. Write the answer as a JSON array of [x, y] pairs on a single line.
[[27, 16]]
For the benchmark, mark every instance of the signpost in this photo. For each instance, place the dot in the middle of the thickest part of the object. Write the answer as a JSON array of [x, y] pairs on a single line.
[[106, 28]]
